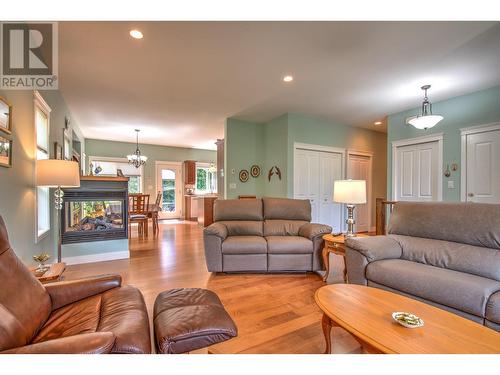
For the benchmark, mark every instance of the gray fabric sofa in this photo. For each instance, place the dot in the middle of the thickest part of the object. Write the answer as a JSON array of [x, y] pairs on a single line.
[[445, 254], [263, 235]]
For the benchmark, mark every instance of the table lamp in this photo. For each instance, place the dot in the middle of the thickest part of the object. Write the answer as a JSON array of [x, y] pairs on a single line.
[[57, 174], [350, 192]]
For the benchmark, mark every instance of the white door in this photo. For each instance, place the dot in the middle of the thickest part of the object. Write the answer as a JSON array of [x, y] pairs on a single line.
[[359, 168], [169, 183], [307, 179], [330, 169], [314, 174], [483, 167], [417, 172]]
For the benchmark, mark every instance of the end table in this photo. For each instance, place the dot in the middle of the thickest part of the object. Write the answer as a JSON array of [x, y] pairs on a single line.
[[54, 273], [336, 245]]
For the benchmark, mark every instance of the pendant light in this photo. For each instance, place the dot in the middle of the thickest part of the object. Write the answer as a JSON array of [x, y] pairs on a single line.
[[137, 159], [426, 119]]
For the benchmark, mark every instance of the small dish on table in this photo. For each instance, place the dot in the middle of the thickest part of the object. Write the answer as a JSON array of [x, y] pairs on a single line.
[[407, 320]]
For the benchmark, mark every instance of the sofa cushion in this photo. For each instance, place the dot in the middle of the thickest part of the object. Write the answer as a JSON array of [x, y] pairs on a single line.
[[493, 308], [289, 245], [243, 228], [119, 310], [238, 209], [480, 261], [287, 209], [476, 224], [459, 290], [244, 245], [283, 227]]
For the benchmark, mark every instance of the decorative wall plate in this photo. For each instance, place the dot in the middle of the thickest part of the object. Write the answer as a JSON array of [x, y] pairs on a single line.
[[243, 175], [255, 171]]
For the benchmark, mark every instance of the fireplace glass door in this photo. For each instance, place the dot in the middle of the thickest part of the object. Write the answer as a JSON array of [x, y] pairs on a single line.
[[103, 215]]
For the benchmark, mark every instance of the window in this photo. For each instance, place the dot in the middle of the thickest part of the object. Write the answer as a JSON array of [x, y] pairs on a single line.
[[42, 111], [110, 166], [206, 178]]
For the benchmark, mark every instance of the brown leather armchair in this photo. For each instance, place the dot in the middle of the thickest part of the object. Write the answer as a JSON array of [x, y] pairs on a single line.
[[93, 315]]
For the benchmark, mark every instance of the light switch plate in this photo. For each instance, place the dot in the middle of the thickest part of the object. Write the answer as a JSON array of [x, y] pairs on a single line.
[[451, 184]]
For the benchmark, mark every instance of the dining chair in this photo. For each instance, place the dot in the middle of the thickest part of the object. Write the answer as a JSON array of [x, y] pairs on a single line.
[[153, 213], [138, 212]]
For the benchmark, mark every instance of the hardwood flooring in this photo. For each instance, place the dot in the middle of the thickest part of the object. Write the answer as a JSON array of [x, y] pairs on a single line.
[[275, 313]]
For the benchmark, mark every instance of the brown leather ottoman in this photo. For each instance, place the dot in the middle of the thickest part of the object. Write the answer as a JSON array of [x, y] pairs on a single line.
[[188, 319]]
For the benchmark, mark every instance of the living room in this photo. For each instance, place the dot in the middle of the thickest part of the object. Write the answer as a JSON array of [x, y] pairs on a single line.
[[270, 186]]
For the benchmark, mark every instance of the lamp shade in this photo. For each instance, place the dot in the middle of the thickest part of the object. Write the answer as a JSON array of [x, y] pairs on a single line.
[[57, 173], [349, 191]]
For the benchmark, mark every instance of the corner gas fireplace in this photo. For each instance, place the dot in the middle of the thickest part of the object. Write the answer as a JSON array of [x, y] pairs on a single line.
[[96, 211]]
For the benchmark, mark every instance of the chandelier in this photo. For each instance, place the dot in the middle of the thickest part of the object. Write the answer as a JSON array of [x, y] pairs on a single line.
[[137, 159], [426, 119]]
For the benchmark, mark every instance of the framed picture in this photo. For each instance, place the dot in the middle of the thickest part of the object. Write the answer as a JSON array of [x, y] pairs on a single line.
[[5, 152], [5, 116], [58, 151], [66, 145]]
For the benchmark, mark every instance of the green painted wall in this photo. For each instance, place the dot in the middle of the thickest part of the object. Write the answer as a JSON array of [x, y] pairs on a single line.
[[272, 144], [94, 147], [275, 153], [244, 147], [478, 108], [17, 184]]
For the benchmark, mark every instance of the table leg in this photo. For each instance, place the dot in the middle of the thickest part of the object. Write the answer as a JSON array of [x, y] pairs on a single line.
[[326, 262], [326, 323], [345, 270]]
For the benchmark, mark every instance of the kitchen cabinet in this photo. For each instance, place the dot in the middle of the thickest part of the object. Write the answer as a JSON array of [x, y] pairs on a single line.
[[189, 172]]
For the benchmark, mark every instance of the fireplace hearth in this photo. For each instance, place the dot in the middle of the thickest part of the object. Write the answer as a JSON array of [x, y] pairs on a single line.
[[96, 211]]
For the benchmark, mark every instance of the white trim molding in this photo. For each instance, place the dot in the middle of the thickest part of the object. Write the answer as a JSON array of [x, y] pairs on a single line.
[[464, 132], [101, 257], [308, 146], [437, 137]]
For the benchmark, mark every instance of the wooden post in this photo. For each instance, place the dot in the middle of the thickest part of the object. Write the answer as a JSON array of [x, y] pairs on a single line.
[[380, 217]]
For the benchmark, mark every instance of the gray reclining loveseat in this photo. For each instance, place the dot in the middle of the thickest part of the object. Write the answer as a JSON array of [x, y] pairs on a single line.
[[264, 235], [445, 254]]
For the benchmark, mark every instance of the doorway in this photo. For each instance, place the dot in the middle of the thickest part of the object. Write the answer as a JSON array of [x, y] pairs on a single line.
[[417, 166], [481, 164], [315, 170], [169, 183], [359, 167]]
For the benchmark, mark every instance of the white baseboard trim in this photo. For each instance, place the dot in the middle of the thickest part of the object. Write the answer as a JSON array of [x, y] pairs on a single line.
[[101, 257]]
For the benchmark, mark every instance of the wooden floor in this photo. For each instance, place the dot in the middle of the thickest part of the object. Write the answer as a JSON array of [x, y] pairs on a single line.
[[274, 313]]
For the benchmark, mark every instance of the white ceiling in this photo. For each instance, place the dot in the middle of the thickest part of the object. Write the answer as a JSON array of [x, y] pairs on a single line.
[[180, 83]]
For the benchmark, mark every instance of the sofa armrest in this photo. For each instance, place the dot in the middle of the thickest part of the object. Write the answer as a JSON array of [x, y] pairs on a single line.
[[87, 343], [65, 292], [311, 230], [216, 229], [376, 247]]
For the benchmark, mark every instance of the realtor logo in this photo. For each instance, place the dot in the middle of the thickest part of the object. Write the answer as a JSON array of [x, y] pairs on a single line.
[[29, 58]]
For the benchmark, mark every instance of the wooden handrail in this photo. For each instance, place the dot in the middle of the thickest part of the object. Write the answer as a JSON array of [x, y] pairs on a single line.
[[381, 214]]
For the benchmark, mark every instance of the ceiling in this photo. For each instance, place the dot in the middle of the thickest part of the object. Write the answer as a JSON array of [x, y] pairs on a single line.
[[180, 83]]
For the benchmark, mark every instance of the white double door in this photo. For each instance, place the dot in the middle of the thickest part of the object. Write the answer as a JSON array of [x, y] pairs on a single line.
[[483, 167], [417, 172], [314, 174]]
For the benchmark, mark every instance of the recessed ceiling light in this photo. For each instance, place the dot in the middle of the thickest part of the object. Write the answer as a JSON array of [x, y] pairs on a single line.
[[287, 79], [377, 123], [136, 34]]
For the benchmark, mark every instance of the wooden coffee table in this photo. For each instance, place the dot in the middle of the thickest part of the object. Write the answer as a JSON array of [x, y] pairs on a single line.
[[365, 313]]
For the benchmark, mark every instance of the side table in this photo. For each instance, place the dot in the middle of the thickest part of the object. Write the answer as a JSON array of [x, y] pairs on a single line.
[[54, 273], [335, 245]]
